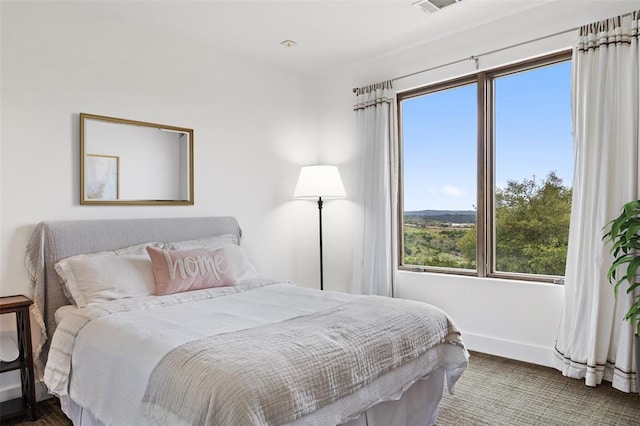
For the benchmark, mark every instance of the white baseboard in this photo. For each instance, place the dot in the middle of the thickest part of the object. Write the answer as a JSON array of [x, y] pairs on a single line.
[[519, 351], [11, 387]]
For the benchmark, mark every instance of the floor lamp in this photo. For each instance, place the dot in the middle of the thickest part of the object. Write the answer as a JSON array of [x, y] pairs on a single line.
[[321, 182]]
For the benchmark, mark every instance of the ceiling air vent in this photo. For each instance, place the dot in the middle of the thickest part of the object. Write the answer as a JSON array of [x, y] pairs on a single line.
[[433, 5]]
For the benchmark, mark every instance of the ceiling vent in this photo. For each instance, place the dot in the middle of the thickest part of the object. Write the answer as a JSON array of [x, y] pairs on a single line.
[[433, 5]]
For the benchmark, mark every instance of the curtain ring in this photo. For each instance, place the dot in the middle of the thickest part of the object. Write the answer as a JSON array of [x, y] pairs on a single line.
[[476, 60]]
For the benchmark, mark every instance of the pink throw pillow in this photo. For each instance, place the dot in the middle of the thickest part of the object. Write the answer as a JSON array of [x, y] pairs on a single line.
[[185, 270]]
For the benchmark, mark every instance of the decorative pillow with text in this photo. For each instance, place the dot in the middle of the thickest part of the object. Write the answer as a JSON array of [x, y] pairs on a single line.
[[186, 270]]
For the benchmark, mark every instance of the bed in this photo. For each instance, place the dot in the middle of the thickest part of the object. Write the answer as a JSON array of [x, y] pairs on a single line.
[[133, 334]]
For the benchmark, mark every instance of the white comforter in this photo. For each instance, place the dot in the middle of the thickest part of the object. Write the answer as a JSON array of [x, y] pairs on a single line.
[[111, 349]]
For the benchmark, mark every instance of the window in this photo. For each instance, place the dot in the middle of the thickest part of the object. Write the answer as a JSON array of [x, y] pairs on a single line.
[[486, 172]]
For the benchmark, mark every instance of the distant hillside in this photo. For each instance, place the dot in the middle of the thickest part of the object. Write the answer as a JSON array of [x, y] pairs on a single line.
[[453, 216]]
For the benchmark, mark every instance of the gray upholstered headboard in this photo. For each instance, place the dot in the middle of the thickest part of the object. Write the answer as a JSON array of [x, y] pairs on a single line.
[[53, 241]]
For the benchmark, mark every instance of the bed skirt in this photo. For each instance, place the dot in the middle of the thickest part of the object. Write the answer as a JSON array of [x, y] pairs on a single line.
[[418, 405]]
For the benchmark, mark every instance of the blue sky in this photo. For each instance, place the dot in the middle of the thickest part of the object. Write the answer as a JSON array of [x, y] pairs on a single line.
[[533, 137]]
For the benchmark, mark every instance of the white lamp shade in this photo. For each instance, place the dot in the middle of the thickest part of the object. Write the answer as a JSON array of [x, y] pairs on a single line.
[[319, 181]]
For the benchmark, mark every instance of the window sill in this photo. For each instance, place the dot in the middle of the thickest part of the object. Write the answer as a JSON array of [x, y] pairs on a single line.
[[511, 279]]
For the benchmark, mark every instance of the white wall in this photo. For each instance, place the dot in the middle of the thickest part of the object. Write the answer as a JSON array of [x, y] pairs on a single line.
[[253, 128], [508, 318]]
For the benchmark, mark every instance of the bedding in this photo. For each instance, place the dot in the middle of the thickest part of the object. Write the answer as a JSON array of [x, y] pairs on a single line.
[[318, 358], [110, 362], [91, 342], [63, 311]]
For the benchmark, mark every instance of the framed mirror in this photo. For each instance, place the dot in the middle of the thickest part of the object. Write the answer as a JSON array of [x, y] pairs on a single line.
[[134, 163]]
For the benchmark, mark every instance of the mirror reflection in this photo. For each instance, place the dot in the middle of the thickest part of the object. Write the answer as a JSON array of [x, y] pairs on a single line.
[[134, 162]]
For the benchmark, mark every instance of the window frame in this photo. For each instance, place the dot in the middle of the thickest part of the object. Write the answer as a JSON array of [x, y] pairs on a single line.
[[485, 180]]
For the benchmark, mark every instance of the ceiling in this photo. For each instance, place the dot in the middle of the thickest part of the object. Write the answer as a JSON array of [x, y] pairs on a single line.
[[329, 34]]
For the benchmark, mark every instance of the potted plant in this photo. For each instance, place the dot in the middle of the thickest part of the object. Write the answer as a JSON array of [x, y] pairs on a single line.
[[624, 234]]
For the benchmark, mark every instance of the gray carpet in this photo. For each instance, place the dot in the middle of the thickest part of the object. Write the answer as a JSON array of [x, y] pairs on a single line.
[[498, 391]]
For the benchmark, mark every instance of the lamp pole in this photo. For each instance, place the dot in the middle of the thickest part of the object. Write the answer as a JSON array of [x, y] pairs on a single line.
[[320, 221]]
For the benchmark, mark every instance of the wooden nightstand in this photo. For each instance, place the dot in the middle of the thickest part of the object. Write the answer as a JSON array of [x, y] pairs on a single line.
[[27, 403]]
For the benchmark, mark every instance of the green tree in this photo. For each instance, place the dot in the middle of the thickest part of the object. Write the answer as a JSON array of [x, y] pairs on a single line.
[[467, 246], [532, 226]]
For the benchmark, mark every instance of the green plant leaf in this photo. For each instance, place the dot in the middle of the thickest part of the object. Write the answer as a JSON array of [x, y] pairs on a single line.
[[621, 261], [632, 269], [616, 286], [631, 208], [633, 312], [623, 233], [633, 229], [615, 229], [634, 243], [633, 287]]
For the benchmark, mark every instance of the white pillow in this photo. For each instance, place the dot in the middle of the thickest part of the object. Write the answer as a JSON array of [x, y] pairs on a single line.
[[206, 242], [136, 249], [104, 277]]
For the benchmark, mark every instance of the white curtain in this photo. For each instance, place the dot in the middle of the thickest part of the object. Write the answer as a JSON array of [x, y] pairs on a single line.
[[375, 195], [593, 341]]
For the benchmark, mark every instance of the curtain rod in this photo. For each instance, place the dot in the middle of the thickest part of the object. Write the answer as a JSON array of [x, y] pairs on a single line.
[[476, 57], [490, 52]]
